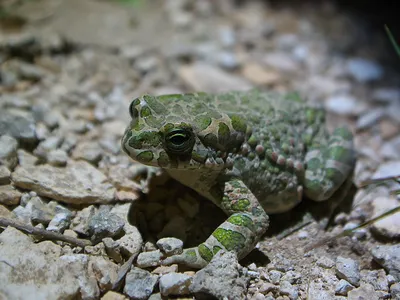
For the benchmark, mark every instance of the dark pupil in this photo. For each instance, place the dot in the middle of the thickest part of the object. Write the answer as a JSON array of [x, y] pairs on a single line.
[[178, 139]]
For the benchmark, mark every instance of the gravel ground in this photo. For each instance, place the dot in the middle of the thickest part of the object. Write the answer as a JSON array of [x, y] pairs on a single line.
[[69, 70]]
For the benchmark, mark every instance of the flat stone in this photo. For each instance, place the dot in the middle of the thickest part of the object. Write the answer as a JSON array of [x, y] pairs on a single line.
[[175, 284], [388, 227], [259, 75], [9, 195], [78, 183], [49, 276], [205, 77], [139, 284]]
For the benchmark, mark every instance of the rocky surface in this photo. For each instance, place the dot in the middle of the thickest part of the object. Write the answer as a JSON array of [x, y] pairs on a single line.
[[69, 70]]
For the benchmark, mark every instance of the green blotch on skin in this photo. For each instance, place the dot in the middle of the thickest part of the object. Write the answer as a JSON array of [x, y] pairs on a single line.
[[344, 133], [231, 240], [340, 153], [313, 185], [310, 116], [198, 108], [145, 156], [138, 126], [152, 122], [211, 140], [238, 123], [145, 112], [295, 97], [202, 122], [135, 142], [223, 133], [190, 255], [335, 175], [216, 249], [307, 138], [205, 253], [241, 220], [241, 205], [314, 164], [163, 159], [150, 138], [154, 104]]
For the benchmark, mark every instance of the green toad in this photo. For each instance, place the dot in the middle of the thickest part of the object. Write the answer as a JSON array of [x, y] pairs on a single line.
[[251, 153]]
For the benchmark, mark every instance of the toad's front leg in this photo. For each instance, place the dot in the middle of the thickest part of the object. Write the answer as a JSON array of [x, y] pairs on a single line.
[[245, 226]]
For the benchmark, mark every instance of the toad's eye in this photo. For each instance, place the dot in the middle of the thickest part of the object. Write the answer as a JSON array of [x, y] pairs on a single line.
[[179, 141], [133, 110]]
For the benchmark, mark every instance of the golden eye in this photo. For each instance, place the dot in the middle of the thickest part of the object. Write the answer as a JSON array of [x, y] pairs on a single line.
[[179, 141]]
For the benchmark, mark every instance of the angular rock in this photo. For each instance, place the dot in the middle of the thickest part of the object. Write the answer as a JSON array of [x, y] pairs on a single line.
[[395, 291], [104, 270], [8, 151], [139, 284], [26, 159], [289, 290], [343, 287], [175, 284], [170, 246], [60, 222], [112, 249], [19, 125], [105, 224], [9, 195], [348, 269], [111, 295], [365, 291], [80, 223], [57, 158], [388, 256], [4, 175], [131, 242], [317, 290], [89, 151], [376, 278], [149, 259], [222, 277], [78, 183]]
